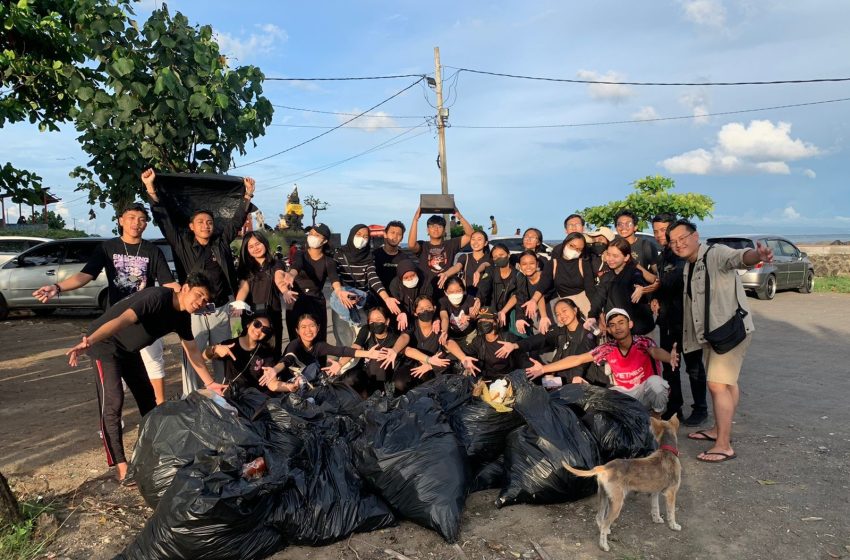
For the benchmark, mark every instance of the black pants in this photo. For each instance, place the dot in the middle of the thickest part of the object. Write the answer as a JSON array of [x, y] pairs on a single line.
[[693, 367], [109, 370], [306, 304]]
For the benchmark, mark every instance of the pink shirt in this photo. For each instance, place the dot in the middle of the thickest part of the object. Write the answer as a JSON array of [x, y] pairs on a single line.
[[630, 370]]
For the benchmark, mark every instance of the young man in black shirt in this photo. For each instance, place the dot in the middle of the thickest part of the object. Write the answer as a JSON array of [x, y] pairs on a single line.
[[388, 256], [114, 341], [132, 264], [645, 251], [200, 249], [437, 255]]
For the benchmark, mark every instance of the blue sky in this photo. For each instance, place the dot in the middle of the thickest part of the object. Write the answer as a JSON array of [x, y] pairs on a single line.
[[782, 170]]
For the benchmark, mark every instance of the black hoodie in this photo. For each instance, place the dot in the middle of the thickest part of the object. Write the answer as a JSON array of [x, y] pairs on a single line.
[[407, 296]]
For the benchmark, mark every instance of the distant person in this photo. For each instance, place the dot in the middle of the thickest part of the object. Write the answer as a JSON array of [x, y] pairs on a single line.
[[494, 227], [22, 220], [281, 222], [574, 224], [293, 250], [261, 220], [516, 232], [718, 266]]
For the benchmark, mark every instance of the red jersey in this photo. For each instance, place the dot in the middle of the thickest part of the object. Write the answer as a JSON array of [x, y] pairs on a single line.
[[630, 370]]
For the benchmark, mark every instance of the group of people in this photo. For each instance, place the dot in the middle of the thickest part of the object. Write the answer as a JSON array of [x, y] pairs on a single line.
[[465, 305]]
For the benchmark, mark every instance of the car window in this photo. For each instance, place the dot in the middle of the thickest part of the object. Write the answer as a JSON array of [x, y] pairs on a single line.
[[166, 251], [733, 242], [788, 249], [43, 255], [773, 245], [79, 252], [12, 246], [512, 244]]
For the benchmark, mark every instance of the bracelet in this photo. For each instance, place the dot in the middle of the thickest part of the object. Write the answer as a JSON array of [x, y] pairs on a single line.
[[428, 360], [58, 288]]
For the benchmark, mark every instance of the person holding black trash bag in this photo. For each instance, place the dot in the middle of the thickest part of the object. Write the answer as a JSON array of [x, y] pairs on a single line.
[[199, 248], [716, 320], [114, 341]]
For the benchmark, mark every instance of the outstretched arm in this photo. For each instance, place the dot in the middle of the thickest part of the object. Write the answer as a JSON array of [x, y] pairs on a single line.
[[412, 243]]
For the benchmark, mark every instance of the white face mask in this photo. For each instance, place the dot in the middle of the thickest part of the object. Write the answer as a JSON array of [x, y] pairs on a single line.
[[314, 242], [455, 299], [360, 242], [411, 283], [570, 253]]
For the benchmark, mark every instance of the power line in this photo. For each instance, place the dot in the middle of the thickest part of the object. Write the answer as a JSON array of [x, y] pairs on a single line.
[[611, 82], [570, 125], [348, 127], [393, 96], [347, 79], [348, 114]]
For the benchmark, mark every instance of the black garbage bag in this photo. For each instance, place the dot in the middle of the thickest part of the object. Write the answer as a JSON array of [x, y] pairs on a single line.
[[211, 512], [411, 457], [619, 423], [491, 475], [449, 390], [326, 500], [534, 453], [482, 430], [174, 432]]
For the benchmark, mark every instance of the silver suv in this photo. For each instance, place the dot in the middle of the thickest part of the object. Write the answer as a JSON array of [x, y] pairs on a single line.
[[791, 268]]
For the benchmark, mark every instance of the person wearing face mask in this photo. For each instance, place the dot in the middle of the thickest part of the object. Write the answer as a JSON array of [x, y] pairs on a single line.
[[458, 312], [471, 265], [361, 286], [306, 278], [379, 375], [569, 274], [408, 285], [529, 284], [479, 355], [568, 338], [497, 289], [597, 245], [623, 286], [424, 346]]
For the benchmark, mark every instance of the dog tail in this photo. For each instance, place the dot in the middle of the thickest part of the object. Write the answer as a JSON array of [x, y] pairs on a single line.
[[578, 472]]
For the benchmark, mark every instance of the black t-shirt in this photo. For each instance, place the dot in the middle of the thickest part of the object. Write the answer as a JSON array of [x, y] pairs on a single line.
[[157, 317], [437, 258], [429, 344], [470, 265], [130, 267], [645, 251], [495, 291], [218, 280], [386, 264], [263, 289], [564, 343], [456, 314], [485, 351], [312, 274], [318, 354], [366, 340], [247, 369], [615, 290]]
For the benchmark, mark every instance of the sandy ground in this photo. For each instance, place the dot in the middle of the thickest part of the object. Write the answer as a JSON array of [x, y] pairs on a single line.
[[785, 497]]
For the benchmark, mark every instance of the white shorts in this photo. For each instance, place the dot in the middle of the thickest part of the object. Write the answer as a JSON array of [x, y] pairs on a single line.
[[154, 361]]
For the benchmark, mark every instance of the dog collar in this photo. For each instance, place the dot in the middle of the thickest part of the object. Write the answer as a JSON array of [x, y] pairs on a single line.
[[671, 449]]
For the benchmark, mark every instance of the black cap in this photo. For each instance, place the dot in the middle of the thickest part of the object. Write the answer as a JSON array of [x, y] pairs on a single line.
[[322, 230], [437, 219]]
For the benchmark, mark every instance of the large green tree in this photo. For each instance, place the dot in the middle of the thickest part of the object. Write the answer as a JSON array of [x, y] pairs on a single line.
[[652, 196]]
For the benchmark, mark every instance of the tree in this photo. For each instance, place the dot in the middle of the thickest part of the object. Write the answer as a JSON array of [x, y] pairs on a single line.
[[652, 197], [54, 220], [315, 205], [457, 230]]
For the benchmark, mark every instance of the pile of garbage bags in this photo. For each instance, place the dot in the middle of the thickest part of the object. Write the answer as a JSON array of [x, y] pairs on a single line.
[[244, 477]]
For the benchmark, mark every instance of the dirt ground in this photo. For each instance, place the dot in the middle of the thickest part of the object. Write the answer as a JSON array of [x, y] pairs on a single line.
[[785, 497]]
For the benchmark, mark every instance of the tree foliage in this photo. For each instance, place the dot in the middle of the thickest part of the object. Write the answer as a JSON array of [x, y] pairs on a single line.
[[54, 220], [652, 196], [315, 205]]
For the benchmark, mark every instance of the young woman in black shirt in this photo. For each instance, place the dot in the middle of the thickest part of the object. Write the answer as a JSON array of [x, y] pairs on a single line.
[[378, 375], [529, 281], [245, 357], [532, 240], [478, 356], [497, 288], [424, 346], [408, 285], [470, 265], [458, 312], [569, 273]]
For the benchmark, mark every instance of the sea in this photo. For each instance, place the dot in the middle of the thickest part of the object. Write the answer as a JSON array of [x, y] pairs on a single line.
[[798, 238]]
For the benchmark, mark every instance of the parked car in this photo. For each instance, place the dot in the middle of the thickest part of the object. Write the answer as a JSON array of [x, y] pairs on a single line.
[[15, 245], [791, 268], [514, 245], [50, 263]]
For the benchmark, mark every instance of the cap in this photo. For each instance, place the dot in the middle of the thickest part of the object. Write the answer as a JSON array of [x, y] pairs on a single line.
[[601, 232], [617, 311], [437, 219], [322, 230], [486, 314]]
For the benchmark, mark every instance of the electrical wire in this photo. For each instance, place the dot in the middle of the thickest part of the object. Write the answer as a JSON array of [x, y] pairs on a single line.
[[657, 119], [347, 79], [611, 82], [393, 96], [348, 127], [348, 114]]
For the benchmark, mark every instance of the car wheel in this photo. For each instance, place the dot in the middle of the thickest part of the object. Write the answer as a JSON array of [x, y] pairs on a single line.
[[769, 291], [4, 309], [809, 285], [43, 311]]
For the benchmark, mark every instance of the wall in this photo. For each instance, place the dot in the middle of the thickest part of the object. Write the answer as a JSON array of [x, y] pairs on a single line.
[[829, 260]]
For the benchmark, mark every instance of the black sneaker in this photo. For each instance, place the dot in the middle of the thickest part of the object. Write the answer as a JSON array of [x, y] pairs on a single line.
[[696, 419]]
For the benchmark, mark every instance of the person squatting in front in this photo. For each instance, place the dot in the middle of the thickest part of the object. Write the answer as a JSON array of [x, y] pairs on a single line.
[[114, 340]]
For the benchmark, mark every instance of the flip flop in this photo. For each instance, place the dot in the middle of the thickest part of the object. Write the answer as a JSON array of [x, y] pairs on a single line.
[[701, 435], [726, 457], [127, 483]]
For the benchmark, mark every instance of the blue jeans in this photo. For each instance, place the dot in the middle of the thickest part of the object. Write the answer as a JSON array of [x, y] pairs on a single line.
[[346, 322]]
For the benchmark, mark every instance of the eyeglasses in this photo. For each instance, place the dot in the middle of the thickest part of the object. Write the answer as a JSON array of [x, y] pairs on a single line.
[[625, 224], [257, 324], [681, 241]]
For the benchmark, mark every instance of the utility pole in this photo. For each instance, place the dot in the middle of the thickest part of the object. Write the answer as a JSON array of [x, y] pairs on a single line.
[[442, 115]]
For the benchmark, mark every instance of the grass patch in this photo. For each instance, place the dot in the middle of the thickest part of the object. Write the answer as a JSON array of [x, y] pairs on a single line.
[[832, 284], [17, 542]]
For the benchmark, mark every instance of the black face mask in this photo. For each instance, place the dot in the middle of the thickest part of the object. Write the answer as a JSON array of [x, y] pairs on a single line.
[[501, 262], [377, 328], [426, 316], [597, 248], [486, 327]]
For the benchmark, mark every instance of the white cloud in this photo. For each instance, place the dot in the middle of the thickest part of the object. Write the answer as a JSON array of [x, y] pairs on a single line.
[[613, 92], [843, 218], [61, 209], [810, 173], [761, 147], [708, 13], [646, 113], [370, 122], [697, 102], [790, 213], [244, 48]]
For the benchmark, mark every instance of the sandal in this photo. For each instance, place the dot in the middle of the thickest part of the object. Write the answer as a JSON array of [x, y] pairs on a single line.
[[726, 457], [701, 435], [127, 483]]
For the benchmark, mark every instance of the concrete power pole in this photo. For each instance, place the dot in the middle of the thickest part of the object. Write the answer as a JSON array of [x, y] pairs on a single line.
[[442, 115]]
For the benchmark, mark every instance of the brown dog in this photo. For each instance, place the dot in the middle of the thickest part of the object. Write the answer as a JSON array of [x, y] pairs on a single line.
[[658, 473]]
